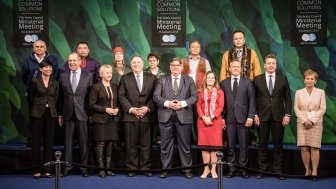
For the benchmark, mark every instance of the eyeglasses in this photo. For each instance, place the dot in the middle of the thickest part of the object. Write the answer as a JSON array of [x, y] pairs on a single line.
[[175, 65]]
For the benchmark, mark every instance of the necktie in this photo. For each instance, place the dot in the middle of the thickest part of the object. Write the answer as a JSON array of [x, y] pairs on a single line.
[[270, 85], [74, 81], [239, 53], [175, 86], [138, 82], [110, 97], [235, 86]]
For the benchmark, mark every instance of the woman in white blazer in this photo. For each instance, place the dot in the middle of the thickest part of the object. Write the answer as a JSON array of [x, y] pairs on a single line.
[[309, 107]]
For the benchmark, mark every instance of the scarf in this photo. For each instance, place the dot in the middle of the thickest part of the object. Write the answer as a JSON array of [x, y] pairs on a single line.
[[244, 59], [210, 108]]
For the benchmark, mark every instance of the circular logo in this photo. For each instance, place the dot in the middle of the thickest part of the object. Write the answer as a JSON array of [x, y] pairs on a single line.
[[28, 38], [312, 37], [34, 38], [305, 37], [165, 38], [168, 38], [172, 38]]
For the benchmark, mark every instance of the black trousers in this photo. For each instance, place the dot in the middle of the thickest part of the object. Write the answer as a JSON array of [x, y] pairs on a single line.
[[137, 145], [276, 129], [42, 129], [239, 130]]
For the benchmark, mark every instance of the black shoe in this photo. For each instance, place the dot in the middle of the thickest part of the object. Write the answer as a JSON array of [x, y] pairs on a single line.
[[314, 178], [101, 174], [110, 173], [131, 174], [188, 175], [85, 173], [230, 174], [66, 172], [260, 176], [279, 173], [244, 174], [164, 175], [148, 174], [281, 177]]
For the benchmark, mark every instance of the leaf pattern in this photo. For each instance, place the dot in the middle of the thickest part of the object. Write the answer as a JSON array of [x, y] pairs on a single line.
[[127, 23]]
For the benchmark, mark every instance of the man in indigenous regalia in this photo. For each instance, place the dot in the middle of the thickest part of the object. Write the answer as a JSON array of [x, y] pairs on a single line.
[[194, 65], [248, 58]]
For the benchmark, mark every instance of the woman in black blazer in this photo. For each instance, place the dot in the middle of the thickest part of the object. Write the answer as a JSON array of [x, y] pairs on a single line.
[[104, 115], [43, 95]]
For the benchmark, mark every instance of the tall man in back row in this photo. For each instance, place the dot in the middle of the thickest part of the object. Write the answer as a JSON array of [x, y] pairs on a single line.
[[87, 63], [248, 58]]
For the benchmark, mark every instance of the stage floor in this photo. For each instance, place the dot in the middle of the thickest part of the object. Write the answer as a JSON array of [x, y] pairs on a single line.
[[24, 181], [16, 157]]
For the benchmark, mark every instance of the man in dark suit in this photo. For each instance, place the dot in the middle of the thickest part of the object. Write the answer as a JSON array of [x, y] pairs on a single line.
[[175, 96], [135, 96], [273, 113], [75, 85], [238, 114]]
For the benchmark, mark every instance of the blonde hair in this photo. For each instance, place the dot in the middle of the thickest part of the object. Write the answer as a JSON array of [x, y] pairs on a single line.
[[104, 67], [204, 84], [310, 72]]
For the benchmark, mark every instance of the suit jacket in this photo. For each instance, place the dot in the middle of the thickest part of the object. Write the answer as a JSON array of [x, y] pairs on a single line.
[[75, 102], [39, 96], [242, 105], [129, 95], [99, 101], [164, 91], [278, 104], [304, 103]]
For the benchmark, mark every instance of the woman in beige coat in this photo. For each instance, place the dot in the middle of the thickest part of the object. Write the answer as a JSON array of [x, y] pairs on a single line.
[[309, 107]]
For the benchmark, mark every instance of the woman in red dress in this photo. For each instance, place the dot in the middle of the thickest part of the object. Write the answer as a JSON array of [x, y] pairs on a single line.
[[210, 105]]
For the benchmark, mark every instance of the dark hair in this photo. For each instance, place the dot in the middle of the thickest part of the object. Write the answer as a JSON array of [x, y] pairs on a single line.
[[153, 55], [194, 41], [83, 43], [45, 63], [238, 31]]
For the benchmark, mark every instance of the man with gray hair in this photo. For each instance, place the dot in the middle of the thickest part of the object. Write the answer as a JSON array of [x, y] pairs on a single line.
[[135, 96]]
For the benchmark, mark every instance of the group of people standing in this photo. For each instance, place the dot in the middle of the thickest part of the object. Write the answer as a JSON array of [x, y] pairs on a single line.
[[130, 103]]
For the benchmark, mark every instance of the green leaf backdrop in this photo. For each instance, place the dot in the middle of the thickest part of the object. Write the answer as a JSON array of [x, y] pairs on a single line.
[[107, 23]]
